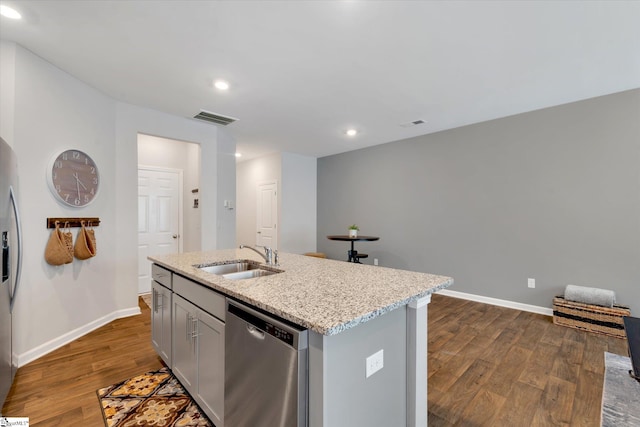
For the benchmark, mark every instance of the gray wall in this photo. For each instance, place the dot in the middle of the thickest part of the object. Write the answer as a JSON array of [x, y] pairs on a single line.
[[337, 368], [552, 194]]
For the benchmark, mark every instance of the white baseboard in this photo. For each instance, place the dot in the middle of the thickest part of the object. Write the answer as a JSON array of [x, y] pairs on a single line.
[[499, 302], [56, 343]]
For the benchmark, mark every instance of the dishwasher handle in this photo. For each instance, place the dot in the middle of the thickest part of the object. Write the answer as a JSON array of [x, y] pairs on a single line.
[[255, 332]]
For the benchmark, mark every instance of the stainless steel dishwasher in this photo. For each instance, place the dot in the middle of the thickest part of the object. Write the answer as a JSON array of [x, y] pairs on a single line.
[[265, 370]]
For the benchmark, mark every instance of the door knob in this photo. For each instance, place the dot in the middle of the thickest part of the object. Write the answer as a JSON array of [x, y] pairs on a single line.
[[175, 236], [259, 232]]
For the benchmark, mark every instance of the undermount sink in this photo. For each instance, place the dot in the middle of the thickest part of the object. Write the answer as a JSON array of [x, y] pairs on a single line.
[[238, 269], [230, 267], [249, 274]]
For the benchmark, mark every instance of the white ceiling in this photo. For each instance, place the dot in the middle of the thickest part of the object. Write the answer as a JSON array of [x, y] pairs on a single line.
[[302, 72]]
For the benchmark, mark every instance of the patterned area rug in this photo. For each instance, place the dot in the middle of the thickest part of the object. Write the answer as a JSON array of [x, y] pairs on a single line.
[[621, 393], [152, 399]]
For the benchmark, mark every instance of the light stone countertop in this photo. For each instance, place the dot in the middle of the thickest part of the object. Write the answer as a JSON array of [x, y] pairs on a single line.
[[323, 295]]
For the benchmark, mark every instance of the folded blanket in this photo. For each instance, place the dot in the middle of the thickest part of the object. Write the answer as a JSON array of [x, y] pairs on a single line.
[[595, 296]]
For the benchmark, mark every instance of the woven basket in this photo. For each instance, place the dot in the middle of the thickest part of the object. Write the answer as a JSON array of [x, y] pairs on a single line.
[[591, 318]]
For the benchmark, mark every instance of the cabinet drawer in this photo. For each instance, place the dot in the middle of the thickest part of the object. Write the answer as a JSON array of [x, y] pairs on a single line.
[[205, 298], [161, 275]]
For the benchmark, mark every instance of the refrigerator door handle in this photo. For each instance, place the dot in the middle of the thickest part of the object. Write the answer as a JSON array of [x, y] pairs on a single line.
[[16, 214], [6, 262]]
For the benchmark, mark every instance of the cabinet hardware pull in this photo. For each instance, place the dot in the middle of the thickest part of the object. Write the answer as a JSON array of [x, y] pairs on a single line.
[[188, 324], [195, 333], [154, 301]]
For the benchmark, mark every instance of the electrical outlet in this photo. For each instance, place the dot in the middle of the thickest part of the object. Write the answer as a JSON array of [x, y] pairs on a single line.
[[375, 362], [375, 261], [531, 282]]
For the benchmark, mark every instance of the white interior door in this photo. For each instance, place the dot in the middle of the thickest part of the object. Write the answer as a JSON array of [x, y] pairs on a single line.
[[267, 215], [159, 219]]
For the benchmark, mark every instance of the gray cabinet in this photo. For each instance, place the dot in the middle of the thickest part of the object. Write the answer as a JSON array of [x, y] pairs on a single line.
[[161, 297], [198, 345], [184, 342], [161, 321]]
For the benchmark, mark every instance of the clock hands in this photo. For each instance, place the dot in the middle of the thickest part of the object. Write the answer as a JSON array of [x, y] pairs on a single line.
[[78, 183], [75, 175]]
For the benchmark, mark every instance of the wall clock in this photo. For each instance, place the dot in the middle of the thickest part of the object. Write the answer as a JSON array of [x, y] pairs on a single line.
[[73, 178]]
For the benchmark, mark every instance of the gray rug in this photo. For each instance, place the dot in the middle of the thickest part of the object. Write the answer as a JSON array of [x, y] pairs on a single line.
[[621, 393]]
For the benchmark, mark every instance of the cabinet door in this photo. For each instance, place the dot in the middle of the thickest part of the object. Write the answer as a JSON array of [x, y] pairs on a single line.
[[184, 342], [210, 386], [156, 317], [165, 300], [161, 321]]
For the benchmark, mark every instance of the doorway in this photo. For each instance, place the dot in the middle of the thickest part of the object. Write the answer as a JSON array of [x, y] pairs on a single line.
[[161, 163], [267, 214], [159, 218]]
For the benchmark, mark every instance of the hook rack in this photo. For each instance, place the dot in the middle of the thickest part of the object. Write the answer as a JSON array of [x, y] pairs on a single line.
[[73, 222]]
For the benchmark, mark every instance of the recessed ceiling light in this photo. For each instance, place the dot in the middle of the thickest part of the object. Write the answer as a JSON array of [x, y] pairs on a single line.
[[221, 84], [238, 154], [351, 132], [7, 12]]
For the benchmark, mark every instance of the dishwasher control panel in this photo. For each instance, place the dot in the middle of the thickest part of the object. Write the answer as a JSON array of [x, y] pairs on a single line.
[[279, 333], [284, 331]]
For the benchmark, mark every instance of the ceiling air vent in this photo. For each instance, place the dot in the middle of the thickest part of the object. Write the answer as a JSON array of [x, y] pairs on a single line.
[[218, 119], [412, 123]]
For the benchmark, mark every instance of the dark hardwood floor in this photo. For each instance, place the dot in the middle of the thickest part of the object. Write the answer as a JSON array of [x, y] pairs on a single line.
[[59, 389], [488, 366], [494, 366]]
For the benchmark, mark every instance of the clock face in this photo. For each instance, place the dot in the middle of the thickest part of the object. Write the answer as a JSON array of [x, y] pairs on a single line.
[[73, 178]]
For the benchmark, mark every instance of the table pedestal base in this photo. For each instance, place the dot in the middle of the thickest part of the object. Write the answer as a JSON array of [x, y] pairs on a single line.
[[352, 254]]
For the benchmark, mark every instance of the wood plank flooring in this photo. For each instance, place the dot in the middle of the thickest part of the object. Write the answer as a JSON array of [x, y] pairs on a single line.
[[494, 366], [59, 389], [488, 366]]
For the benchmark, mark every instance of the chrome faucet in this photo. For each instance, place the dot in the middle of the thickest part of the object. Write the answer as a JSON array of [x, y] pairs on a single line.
[[268, 254]]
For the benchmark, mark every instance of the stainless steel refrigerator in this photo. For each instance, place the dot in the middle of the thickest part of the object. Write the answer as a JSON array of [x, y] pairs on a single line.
[[11, 243]]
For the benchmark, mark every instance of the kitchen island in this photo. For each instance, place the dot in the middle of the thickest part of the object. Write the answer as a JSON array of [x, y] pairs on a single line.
[[351, 312]]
